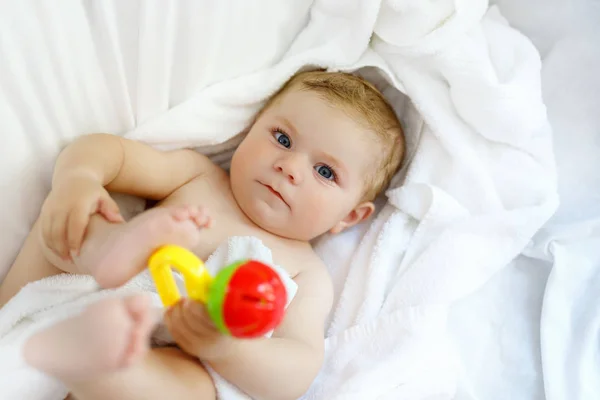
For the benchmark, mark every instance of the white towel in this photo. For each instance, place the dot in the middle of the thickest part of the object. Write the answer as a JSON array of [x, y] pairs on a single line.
[[570, 242], [42, 303], [480, 184], [38, 305], [570, 321]]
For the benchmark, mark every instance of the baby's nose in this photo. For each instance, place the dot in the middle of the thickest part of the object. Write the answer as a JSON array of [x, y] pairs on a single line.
[[291, 168], [291, 175]]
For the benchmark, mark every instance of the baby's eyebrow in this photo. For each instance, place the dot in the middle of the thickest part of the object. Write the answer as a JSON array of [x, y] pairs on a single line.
[[334, 162], [287, 124]]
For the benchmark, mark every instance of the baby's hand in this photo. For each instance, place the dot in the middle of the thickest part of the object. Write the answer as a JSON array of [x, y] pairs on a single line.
[[193, 330], [66, 212]]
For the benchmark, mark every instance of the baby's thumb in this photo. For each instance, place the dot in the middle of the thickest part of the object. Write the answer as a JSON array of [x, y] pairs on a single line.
[[110, 210]]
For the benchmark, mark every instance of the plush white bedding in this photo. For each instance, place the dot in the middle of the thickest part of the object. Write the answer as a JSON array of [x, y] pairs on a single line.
[[532, 331]]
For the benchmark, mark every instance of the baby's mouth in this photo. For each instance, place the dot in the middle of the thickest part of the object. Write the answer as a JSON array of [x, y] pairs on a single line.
[[276, 193]]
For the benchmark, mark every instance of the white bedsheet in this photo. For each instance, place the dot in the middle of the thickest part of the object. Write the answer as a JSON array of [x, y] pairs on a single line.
[[518, 337]]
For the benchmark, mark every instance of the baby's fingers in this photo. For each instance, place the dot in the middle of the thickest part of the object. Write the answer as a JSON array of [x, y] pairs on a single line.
[[58, 241], [197, 318], [46, 231], [77, 224], [109, 209], [178, 328]]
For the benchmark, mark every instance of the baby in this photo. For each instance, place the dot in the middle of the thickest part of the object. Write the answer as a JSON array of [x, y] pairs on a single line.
[[315, 157]]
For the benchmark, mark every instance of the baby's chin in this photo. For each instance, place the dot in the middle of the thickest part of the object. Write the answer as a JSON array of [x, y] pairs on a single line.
[[279, 225], [284, 230], [292, 231], [276, 222]]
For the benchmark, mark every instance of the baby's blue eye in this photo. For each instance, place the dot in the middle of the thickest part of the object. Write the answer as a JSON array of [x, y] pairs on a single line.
[[283, 139], [325, 172]]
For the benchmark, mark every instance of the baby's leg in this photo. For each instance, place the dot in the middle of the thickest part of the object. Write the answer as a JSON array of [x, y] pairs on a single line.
[[103, 354], [105, 337], [31, 265], [112, 253], [163, 373], [114, 256]]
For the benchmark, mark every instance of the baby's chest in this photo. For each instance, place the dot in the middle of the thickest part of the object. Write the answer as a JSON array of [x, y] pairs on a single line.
[[228, 219]]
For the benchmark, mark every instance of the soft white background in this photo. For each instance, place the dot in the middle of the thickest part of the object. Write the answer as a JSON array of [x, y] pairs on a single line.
[[498, 328]]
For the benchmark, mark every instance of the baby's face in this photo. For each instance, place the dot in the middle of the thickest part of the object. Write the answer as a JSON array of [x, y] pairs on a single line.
[[302, 167]]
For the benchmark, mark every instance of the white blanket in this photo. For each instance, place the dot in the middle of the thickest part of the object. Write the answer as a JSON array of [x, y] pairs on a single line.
[[556, 277], [480, 182], [570, 242]]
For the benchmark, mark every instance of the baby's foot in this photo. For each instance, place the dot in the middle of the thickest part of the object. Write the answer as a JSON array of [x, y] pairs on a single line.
[[119, 255], [107, 336]]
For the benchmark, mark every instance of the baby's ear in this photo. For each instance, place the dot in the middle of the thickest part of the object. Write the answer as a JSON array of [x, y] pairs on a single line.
[[360, 213]]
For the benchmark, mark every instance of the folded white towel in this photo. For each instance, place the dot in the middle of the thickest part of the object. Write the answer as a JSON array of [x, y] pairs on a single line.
[[42, 303]]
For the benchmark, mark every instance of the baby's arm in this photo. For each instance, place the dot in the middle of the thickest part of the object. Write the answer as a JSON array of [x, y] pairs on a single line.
[[93, 164], [285, 365], [131, 167]]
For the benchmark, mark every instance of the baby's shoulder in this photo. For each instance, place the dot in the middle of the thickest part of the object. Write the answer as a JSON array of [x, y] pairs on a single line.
[[295, 257], [304, 265], [314, 281]]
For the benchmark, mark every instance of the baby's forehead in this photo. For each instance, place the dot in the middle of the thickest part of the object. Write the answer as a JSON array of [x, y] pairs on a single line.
[[309, 103], [329, 121], [360, 149]]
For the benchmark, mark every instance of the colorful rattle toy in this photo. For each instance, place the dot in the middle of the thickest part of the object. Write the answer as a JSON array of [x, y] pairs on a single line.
[[246, 299]]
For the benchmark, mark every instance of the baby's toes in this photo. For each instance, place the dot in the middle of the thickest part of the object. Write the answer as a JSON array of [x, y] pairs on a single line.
[[198, 211], [202, 221], [138, 345], [199, 215], [181, 213]]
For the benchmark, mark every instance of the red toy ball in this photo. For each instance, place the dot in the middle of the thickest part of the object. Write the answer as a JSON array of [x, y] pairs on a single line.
[[247, 299]]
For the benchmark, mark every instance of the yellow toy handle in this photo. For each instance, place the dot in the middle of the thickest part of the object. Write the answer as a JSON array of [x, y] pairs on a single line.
[[196, 278]]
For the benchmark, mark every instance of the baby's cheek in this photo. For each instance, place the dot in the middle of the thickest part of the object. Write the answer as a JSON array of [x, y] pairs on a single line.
[[325, 208], [311, 212]]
